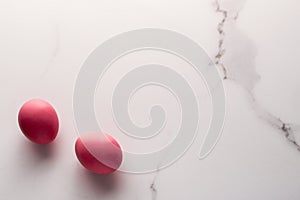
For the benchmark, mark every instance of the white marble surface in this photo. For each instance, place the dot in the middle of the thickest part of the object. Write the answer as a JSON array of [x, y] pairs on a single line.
[[43, 44]]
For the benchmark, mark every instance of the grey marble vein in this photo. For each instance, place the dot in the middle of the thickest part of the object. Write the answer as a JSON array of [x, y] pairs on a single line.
[[56, 46], [221, 32], [244, 73], [153, 187], [153, 191]]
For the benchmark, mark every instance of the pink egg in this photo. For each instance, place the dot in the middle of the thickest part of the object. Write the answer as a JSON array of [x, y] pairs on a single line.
[[38, 121], [98, 153]]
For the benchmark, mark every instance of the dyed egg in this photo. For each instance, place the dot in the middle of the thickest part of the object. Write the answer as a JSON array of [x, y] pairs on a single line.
[[98, 153], [38, 121]]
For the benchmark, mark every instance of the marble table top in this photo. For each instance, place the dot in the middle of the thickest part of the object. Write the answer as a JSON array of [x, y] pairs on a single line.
[[254, 44]]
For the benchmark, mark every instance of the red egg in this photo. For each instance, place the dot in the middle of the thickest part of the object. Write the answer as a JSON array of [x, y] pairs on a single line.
[[38, 121], [98, 153]]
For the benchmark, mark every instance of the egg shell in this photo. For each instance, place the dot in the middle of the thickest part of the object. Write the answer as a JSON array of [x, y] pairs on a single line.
[[38, 121], [99, 153]]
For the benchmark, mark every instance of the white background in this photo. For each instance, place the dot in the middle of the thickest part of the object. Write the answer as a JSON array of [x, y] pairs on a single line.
[[44, 43]]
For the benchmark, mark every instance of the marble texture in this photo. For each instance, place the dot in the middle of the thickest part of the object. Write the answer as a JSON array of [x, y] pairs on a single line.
[[254, 43]]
